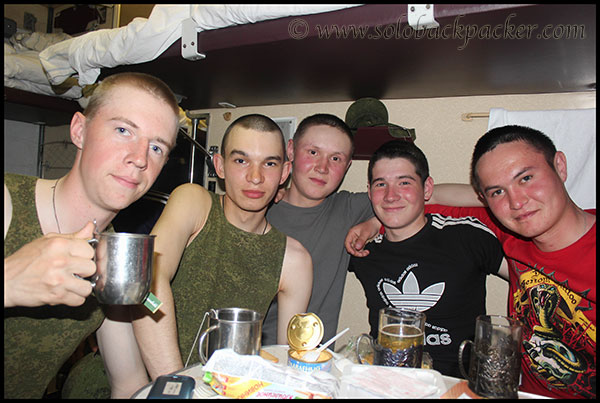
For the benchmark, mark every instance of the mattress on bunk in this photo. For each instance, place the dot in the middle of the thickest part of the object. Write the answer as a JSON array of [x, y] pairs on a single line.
[[144, 39], [22, 67]]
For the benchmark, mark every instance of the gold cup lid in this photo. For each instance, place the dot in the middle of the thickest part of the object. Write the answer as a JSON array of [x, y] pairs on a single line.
[[305, 331]]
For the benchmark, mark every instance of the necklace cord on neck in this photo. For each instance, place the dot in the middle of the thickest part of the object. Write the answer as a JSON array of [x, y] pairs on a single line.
[[54, 205]]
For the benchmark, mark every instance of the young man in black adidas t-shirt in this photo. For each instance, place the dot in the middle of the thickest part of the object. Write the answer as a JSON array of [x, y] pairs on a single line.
[[426, 262]]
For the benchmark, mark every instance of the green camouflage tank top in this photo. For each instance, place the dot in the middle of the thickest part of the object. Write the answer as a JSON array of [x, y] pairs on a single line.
[[37, 341], [224, 267]]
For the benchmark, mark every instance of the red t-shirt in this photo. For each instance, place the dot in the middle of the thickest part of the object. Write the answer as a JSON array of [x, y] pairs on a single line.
[[554, 295]]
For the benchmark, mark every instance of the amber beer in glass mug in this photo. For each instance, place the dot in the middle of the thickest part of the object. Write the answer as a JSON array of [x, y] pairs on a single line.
[[401, 333]]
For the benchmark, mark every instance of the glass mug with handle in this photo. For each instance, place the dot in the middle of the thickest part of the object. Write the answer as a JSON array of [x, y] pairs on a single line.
[[401, 334]]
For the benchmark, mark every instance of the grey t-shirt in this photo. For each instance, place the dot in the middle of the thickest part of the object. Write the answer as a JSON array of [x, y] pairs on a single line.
[[322, 230]]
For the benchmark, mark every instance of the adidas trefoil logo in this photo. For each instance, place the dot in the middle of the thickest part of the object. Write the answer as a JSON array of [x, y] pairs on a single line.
[[410, 297]]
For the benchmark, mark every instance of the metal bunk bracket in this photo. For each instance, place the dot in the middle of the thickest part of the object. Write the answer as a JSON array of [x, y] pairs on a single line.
[[189, 37], [195, 116], [420, 16]]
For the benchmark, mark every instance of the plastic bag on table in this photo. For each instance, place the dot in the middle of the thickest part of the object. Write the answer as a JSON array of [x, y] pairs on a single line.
[[248, 376]]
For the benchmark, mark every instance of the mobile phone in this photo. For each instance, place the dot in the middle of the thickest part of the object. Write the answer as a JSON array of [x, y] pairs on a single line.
[[172, 387]]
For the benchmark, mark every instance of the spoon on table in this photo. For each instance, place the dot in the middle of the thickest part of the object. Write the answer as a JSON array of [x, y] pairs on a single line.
[[313, 355]]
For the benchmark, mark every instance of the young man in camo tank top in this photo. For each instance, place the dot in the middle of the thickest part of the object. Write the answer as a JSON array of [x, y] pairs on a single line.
[[123, 138], [218, 251]]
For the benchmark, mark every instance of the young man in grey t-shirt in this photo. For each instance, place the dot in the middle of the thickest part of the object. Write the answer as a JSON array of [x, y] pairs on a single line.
[[315, 214]]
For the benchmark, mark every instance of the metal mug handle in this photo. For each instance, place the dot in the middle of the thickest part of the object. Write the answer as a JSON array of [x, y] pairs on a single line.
[[94, 242], [92, 279], [460, 358], [358, 356], [203, 359]]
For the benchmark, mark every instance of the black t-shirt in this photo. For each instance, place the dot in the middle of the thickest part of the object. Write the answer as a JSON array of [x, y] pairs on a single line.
[[440, 271]]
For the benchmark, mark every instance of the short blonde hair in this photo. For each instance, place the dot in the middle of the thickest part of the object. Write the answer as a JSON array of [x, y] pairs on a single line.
[[146, 82]]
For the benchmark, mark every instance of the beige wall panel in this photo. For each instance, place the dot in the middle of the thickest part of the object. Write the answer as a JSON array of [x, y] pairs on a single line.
[[17, 12], [130, 11]]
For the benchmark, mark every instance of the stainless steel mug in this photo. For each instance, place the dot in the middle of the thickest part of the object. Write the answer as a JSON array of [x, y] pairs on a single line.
[[123, 267], [400, 339], [495, 364], [236, 328]]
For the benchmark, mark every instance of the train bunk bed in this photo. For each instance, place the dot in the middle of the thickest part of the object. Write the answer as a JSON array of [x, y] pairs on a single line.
[[266, 54], [43, 71]]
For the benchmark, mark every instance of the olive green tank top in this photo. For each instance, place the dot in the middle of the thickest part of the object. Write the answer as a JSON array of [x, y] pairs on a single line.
[[224, 267], [37, 341]]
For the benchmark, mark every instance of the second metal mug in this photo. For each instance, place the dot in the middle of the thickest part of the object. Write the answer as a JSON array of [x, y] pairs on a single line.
[[236, 328], [495, 364]]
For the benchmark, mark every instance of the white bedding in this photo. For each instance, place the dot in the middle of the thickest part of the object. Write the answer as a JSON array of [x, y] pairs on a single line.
[[144, 39], [22, 67]]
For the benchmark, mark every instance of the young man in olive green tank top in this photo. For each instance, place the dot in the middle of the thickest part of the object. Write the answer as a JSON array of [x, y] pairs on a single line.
[[123, 138], [215, 270]]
